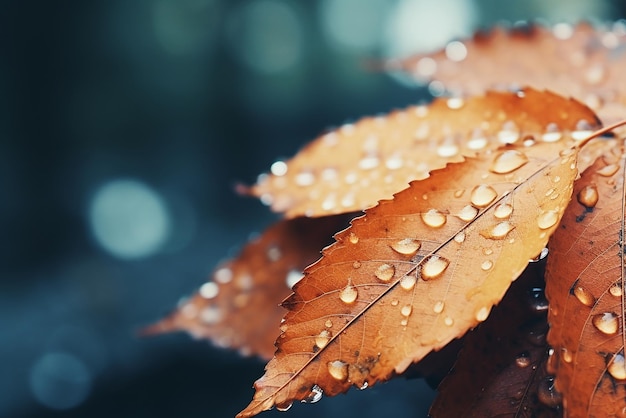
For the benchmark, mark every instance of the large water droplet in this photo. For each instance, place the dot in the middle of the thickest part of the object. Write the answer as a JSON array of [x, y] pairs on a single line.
[[616, 290], [508, 161], [509, 133], [547, 394], [438, 307], [607, 323], [503, 211], [323, 338], [433, 267], [584, 296], [407, 246], [434, 218], [482, 314], [588, 196], [315, 395], [486, 265], [468, 213], [348, 294], [552, 134], [385, 272], [483, 195], [498, 231], [583, 130], [338, 370], [460, 237], [406, 310], [547, 219], [608, 170], [408, 282], [284, 407], [617, 367]]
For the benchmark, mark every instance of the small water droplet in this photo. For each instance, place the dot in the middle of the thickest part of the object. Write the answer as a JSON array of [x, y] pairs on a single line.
[[468, 213], [509, 133], [353, 238], [394, 162], [588, 196], [356, 264], [455, 103], [595, 74], [407, 246], [538, 301], [323, 338], [406, 310], [305, 178], [552, 134], [583, 130], [617, 367], [566, 355], [434, 218], [369, 162], [328, 323], [498, 231], [211, 315], [483, 195], [364, 385], [338, 370], [486, 265], [316, 394], [547, 219], [404, 322], [209, 290], [616, 290], [456, 51], [459, 193], [433, 267], [223, 275], [503, 211], [608, 170], [448, 321], [552, 362], [385, 272], [547, 394], [284, 407], [508, 161], [408, 282], [482, 314], [349, 294], [460, 237], [584, 296], [395, 302], [607, 323], [523, 360], [438, 307]]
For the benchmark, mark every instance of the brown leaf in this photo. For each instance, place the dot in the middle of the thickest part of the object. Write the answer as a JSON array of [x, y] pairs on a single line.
[[357, 165], [239, 306], [585, 276], [501, 369], [584, 62], [416, 272]]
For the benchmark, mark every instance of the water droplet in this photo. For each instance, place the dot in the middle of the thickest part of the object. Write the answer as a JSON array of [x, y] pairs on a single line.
[[284, 407], [483, 195], [328, 323], [508, 161], [349, 294], [407, 246], [438, 307], [608, 170], [406, 310], [404, 322], [617, 367], [486, 265], [305, 178], [482, 314], [566, 355], [338, 370], [503, 211], [542, 254], [211, 315], [606, 323], [293, 277], [385, 272], [455, 103], [588, 196], [584, 296], [315, 395], [547, 219], [468, 213], [223, 275], [583, 130], [434, 218], [595, 74], [448, 321], [209, 290], [433, 267], [552, 134], [538, 301], [353, 238], [278, 168], [356, 264], [616, 290], [509, 133], [364, 385], [547, 394], [369, 162], [394, 162], [523, 360], [456, 51], [552, 362], [478, 141], [460, 237], [408, 282], [426, 67], [499, 231], [323, 338], [395, 302]]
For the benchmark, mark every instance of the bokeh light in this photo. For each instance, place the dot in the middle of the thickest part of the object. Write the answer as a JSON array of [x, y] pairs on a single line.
[[60, 380]]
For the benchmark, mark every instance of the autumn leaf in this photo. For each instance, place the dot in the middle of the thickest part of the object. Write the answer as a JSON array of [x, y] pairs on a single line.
[[360, 164], [583, 61], [585, 287], [239, 306], [501, 368], [417, 271]]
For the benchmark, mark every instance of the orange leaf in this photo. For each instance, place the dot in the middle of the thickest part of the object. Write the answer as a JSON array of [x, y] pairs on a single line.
[[239, 306], [357, 165], [584, 62], [416, 272], [504, 359], [585, 276]]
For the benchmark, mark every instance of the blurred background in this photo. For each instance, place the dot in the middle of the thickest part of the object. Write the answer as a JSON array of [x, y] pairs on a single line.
[[124, 126]]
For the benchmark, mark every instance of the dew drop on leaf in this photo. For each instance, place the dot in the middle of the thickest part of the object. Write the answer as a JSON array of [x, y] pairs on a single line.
[[482, 314], [322, 338], [349, 294], [483, 195], [584, 296], [385, 272], [503, 211], [407, 246], [508, 161], [468, 213], [617, 367], [284, 407], [434, 218], [433, 267], [588, 196], [607, 323], [522, 361], [547, 219], [616, 290], [438, 308], [552, 133], [338, 370], [608, 170], [498, 231], [408, 282], [315, 395]]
